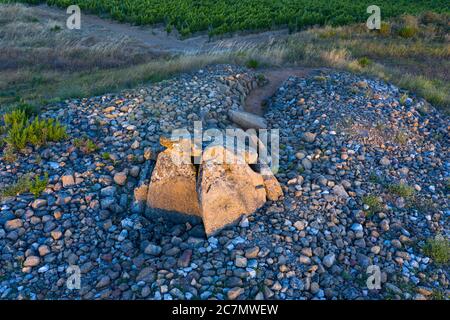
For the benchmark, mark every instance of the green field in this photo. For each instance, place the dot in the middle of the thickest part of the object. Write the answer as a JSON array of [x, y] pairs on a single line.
[[224, 16]]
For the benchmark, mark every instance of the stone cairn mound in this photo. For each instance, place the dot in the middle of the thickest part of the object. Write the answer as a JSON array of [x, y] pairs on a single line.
[[218, 191]]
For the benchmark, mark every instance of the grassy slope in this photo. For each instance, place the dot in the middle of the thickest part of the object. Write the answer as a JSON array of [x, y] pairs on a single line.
[[40, 59], [86, 66]]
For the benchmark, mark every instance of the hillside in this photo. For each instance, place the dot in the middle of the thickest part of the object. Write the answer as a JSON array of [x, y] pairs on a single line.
[[361, 185], [42, 62], [351, 204]]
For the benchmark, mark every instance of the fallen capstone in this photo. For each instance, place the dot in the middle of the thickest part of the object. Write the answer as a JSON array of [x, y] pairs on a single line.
[[247, 120]]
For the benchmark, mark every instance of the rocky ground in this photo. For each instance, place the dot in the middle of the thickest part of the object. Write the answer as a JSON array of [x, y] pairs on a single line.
[[344, 140]]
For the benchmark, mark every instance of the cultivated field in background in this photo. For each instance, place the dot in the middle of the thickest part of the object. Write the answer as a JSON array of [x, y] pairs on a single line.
[[224, 16]]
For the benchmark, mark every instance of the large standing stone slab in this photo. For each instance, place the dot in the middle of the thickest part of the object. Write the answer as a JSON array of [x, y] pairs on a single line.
[[228, 188], [173, 182]]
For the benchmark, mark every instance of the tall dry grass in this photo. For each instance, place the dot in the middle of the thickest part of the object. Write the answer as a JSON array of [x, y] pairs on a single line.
[[41, 63], [420, 63]]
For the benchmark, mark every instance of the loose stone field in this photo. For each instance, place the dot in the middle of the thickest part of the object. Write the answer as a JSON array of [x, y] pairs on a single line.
[[364, 171]]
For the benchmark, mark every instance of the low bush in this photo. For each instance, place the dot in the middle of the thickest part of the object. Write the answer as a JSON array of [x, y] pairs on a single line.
[[38, 185], [21, 186], [20, 131], [364, 62], [401, 190], [252, 64], [374, 203], [25, 184], [15, 118], [385, 29], [85, 144], [407, 32], [438, 249]]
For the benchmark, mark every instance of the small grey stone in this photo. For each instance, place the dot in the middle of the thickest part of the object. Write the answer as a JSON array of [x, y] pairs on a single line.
[[31, 261], [329, 259], [108, 191], [240, 262], [385, 161], [340, 191], [357, 227], [299, 225], [68, 180], [309, 137], [153, 250]]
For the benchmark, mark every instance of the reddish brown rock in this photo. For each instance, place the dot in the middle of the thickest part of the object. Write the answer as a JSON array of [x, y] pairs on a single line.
[[273, 187]]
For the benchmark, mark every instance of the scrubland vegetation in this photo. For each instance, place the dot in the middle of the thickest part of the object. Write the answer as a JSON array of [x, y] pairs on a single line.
[[41, 64]]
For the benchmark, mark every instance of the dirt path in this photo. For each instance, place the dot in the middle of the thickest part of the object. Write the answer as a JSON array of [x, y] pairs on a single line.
[[254, 103], [157, 39]]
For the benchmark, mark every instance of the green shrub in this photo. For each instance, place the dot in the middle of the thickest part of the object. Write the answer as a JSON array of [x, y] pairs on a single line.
[[252, 64], [401, 190], [385, 29], [47, 130], [37, 132], [38, 185], [438, 249], [374, 203], [56, 28], [91, 146], [78, 143], [364, 62], [16, 117], [407, 32], [26, 184], [85, 144], [21, 186], [17, 137], [21, 132]]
